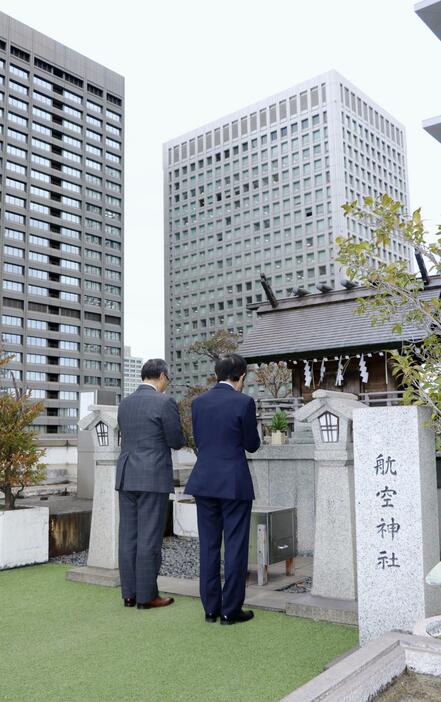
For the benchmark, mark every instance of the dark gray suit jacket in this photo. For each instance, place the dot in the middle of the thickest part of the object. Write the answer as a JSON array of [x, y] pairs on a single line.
[[150, 426]]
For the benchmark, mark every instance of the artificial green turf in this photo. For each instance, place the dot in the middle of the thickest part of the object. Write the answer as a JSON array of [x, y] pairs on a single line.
[[62, 641]]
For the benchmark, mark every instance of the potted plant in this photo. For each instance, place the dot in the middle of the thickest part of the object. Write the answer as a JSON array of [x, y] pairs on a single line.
[[24, 532], [279, 427]]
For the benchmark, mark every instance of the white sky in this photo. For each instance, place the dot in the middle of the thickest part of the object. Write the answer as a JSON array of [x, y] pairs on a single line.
[[187, 62]]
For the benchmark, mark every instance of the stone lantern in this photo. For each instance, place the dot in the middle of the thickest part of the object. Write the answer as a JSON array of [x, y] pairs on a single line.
[[102, 562], [334, 566]]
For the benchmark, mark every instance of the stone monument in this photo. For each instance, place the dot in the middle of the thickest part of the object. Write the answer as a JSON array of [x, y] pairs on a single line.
[[396, 518], [102, 562], [334, 568]]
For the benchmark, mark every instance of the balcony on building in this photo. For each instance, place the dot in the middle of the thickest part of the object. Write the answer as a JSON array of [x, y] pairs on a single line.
[[430, 12]]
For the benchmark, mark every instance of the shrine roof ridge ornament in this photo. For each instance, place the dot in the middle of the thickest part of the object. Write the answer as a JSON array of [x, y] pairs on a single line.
[[349, 291], [325, 323]]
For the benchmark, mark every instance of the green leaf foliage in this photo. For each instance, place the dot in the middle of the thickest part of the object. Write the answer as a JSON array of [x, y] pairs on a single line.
[[20, 455], [279, 421], [396, 292]]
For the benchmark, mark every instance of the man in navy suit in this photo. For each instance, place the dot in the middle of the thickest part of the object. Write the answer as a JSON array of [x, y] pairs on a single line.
[[224, 427]]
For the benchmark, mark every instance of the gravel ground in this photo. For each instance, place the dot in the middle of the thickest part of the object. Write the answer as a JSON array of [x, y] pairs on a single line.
[[302, 586], [79, 558], [180, 557]]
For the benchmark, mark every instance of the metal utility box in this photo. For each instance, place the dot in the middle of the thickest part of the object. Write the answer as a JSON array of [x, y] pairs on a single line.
[[281, 532]]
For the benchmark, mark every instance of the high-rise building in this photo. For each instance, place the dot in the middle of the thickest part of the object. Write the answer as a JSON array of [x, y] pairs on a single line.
[[430, 12], [260, 191], [132, 371], [61, 238]]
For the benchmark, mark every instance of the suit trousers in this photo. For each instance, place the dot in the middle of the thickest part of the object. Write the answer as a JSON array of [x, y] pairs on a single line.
[[232, 518], [142, 519]]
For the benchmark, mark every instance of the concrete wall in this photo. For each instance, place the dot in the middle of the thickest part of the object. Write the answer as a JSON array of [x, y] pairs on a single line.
[[62, 454], [284, 476]]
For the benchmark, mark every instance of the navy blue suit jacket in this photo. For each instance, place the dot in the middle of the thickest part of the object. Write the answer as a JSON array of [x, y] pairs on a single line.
[[224, 427]]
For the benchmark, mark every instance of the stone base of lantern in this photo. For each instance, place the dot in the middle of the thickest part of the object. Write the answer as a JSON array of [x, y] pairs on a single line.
[[324, 609], [94, 576]]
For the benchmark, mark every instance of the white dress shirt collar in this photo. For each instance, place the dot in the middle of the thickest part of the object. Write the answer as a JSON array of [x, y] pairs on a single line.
[[151, 385]]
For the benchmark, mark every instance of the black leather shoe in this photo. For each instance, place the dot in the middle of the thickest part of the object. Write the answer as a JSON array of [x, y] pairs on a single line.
[[129, 602], [238, 618], [211, 618]]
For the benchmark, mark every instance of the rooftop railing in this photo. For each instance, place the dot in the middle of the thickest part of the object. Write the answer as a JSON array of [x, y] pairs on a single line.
[[268, 406], [382, 399]]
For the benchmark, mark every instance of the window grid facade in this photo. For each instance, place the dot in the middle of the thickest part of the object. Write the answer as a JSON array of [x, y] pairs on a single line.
[[132, 371], [260, 191], [48, 220]]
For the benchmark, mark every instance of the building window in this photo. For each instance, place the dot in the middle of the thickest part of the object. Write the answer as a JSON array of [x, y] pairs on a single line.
[[12, 321]]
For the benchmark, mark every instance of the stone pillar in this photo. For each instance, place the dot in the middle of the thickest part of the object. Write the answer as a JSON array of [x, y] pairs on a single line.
[[396, 518], [103, 545], [86, 465], [102, 563], [334, 567]]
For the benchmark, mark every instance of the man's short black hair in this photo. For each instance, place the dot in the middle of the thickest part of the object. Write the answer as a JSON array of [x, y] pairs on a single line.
[[230, 367], [153, 369]]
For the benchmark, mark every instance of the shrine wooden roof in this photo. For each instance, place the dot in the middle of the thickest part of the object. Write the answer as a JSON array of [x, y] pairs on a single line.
[[321, 323]]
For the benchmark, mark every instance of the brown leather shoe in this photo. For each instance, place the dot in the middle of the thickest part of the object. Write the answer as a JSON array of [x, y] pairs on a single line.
[[157, 602]]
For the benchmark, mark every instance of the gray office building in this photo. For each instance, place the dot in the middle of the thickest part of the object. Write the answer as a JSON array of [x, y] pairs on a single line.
[[132, 371], [61, 278], [260, 191]]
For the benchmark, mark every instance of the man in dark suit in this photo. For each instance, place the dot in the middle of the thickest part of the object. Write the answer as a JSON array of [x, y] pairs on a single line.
[[150, 426], [224, 427]]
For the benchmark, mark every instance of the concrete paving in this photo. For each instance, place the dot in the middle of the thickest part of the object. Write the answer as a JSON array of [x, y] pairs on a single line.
[[325, 609], [58, 504], [92, 575], [269, 596], [52, 489], [263, 597]]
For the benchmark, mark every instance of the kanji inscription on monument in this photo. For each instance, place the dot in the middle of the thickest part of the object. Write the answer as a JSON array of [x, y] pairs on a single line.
[[396, 518]]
